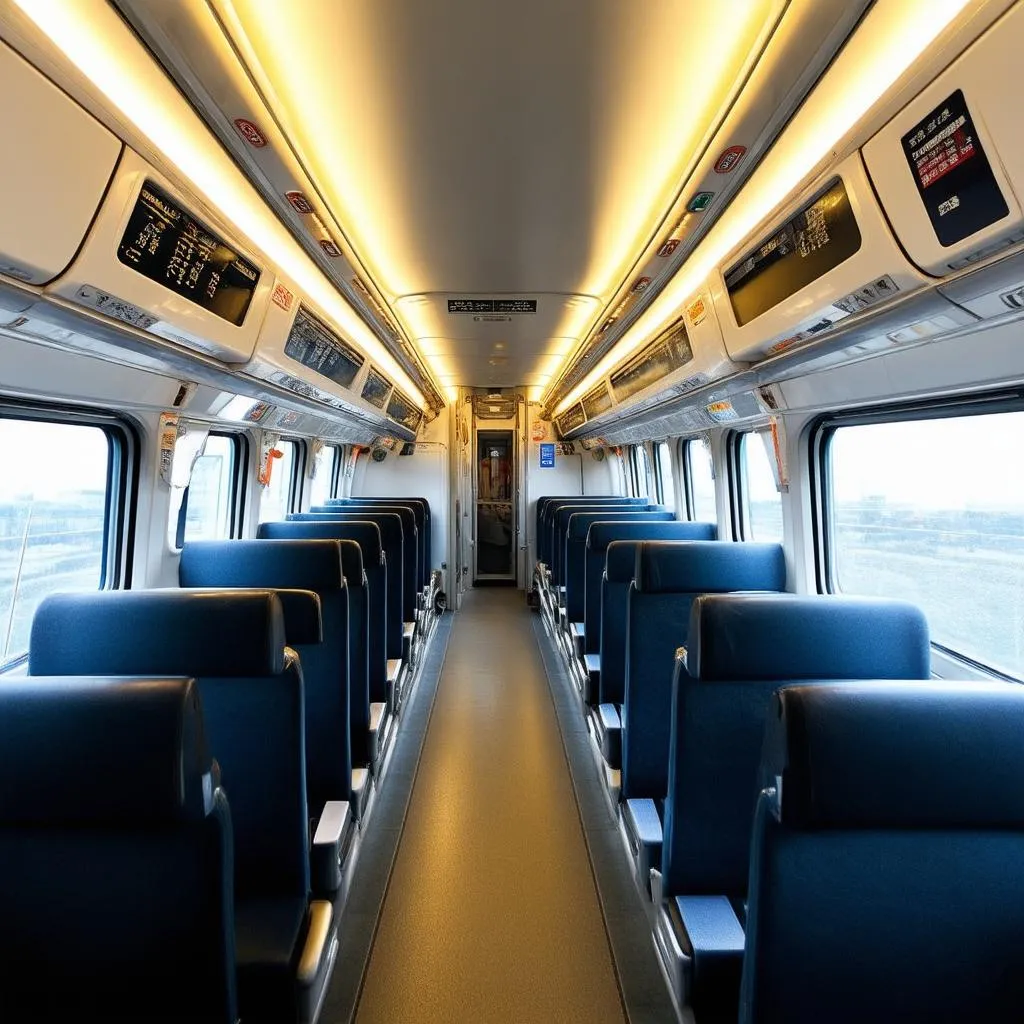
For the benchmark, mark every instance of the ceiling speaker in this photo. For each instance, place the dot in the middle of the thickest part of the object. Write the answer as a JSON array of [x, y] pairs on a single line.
[[379, 454]]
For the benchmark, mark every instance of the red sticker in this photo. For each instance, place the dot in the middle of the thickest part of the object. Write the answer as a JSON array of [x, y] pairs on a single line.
[[329, 247], [669, 247], [283, 297], [250, 133], [729, 159], [640, 286], [299, 202], [697, 310]]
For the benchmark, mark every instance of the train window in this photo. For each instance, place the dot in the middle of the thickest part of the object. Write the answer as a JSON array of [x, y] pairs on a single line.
[[932, 510], [280, 494], [325, 484], [56, 493], [699, 473], [665, 477], [759, 503], [209, 503], [640, 471]]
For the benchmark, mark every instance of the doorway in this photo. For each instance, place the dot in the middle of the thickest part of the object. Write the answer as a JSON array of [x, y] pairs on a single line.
[[495, 548]]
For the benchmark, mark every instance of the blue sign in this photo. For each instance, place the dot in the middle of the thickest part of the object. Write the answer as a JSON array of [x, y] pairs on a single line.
[[547, 456]]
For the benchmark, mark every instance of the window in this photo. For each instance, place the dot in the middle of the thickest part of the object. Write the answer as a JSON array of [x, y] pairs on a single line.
[[325, 484], [278, 495], [666, 483], [208, 505], [55, 504], [700, 475], [640, 471], [932, 510], [760, 504]]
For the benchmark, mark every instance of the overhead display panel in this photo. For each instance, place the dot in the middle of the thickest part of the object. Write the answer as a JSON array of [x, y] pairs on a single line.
[[952, 172], [663, 356], [165, 243], [376, 389], [811, 243], [401, 410], [313, 344]]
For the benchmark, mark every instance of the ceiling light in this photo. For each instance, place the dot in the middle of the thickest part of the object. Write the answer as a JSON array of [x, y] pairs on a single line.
[[887, 42], [94, 38]]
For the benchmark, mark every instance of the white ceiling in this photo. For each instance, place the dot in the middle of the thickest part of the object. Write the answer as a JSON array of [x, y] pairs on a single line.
[[524, 149]]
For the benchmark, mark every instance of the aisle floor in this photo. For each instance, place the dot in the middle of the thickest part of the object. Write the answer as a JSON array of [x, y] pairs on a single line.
[[491, 913]]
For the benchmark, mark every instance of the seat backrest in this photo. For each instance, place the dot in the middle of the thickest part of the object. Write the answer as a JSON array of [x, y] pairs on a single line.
[[560, 526], [412, 548], [390, 527], [115, 854], [667, 577], [366, 536], [421, 509], [600, 535], [546, 509], [574, 558], [620, 564], [336, 687], [887, 847], [232, 643], [740, 649]]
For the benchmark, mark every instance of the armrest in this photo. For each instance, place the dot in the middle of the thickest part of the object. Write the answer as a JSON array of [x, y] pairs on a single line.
[[643, 826], [711, 934], [321, 918], [609, 734], [325, 853]]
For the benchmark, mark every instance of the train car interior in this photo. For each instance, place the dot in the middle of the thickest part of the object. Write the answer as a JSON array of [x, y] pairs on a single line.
[[511, 511]]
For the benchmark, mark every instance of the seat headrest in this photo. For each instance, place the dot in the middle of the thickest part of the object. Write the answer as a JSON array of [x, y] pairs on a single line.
[[390, 523], [792, 637], [88, 751], [665, 567], [580, 523], [603, 533], [295, 564], [159, 632], [620, 561], [898, 755], [363, 533]]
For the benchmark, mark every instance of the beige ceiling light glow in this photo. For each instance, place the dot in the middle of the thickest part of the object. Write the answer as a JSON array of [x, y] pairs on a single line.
[[462, 158], [893, 34], [100, 45]]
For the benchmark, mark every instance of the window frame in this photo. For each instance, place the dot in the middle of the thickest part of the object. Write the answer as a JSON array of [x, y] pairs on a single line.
[[239, 478], [122, 487], [739, 505], [686, 468], [820, 433], [659, 477], [335, 473]]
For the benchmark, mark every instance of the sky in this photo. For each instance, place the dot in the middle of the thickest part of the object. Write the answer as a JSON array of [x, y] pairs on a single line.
[[50, 459]]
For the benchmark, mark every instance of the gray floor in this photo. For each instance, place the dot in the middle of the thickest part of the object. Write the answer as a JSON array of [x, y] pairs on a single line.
[[491, 912]]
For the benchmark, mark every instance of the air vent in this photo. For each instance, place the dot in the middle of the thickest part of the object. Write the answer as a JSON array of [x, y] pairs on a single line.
[[494, 407]]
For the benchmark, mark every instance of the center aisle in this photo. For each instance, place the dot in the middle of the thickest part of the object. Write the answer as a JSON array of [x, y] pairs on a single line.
[[491, 913]]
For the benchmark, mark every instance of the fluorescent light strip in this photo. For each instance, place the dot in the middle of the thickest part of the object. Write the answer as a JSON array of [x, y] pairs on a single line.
[[93, 37], [893, 34]]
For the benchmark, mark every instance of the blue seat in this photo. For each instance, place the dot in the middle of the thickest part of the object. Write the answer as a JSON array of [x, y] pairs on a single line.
[[546, 509], [574, 558], [560, 525], [667, 577], [740, 649], [335, 670], [411, 549], [885, 879], [390, 526], [599, 536], [232, 642], [367, 535], [115, 855], [421, 510]]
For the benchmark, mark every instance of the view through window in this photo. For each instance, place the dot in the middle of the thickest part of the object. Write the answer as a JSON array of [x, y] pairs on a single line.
[[211, 491], [933, 511], [277, 494], [702, 482], [760, 494], [53, 516]]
